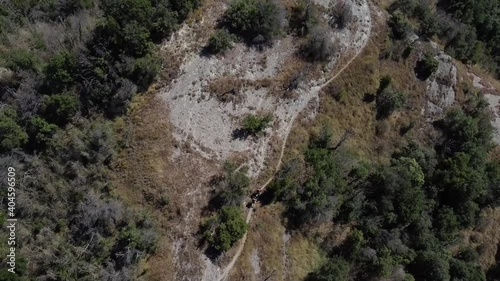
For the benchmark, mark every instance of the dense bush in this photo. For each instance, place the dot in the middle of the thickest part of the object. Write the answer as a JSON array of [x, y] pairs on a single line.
[[406, 213], [388, 100], [255, 124], [79, 60], [341, 14], [257, 21], [233, 186], [224, 229], [11, 134], [220, 41], [334, 269], [399, 25], [303, 17], [470, 30], [319, 45]]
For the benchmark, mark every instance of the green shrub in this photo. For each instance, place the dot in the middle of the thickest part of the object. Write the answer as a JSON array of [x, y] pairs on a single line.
[[146, 70], [61, 71], [257, 21], [388, 101], [223, 230], [59, 109], [220, 41], [19, 59], [11, 134], [234, 185], [303, 17], [319, 46], [399, 24], [254, 124], [41, 131], [336, 269]]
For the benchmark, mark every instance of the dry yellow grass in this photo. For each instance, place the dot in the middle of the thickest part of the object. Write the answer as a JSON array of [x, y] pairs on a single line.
[[145, 174], [304, 257], [266, 237], [485, 237]]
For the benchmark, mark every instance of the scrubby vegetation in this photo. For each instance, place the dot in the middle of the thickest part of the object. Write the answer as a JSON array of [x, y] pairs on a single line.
[[227, 225], [66, 67], [404, 213], [220, 41], [469, 30], [257, 21], [256, 124], [224, 229], [303, 17], [318, 46], [388, 99]]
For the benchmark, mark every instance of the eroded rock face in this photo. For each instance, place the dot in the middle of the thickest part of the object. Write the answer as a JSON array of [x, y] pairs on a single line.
[[441, 86], [494, 101]]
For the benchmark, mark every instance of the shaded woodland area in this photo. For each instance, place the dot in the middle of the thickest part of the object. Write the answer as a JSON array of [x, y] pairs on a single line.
[[67, 69]]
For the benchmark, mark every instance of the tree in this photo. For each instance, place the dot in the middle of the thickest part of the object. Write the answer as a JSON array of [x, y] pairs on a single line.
[[398, 194], [220, 41], [335, 269], [341, 14], [430, 266], [258, 21], [234, 186], [319, 46], [460, 185], [11, 134], [255, 124], [146, 70], [388, 101], [223, 230], [135, 39], [446, 224], [318, 197], [303, 17], [60, 72], [59, 109], [184, 7], [399, 25], [41, 131]]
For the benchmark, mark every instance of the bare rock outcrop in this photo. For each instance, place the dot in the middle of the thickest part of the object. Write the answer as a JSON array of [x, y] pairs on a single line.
[[441, 86]]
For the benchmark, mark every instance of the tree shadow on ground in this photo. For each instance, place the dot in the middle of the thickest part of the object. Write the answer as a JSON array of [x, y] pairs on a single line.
[[240, 134]]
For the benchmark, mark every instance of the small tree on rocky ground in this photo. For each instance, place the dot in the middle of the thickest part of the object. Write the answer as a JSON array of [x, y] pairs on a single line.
[[340, 14], [319, 46], [224, 229], [220, 41], [257, 21], [255, 124]]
